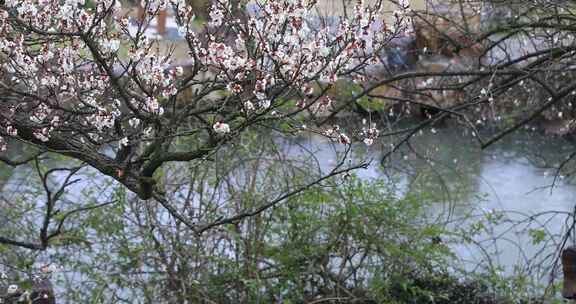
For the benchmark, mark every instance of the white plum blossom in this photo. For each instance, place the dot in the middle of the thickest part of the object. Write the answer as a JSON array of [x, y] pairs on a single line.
[[123, 142], [249, 106], [221, 128], [404, 4], [148, 132], [12, 289], [368, 141], [134, 122], [111, 45], [217, 12], [49, 268], [76, 87], [369, 134]]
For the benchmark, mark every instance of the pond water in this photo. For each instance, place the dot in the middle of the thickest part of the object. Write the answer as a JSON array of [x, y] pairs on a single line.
[[514, 181], [517, 179]]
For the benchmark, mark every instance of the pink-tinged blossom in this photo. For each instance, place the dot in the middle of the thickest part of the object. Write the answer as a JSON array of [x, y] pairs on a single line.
[[11, 131], [42, 134], [336, 135], [344, 139], [324, 104], [234, 88], [308, 90]]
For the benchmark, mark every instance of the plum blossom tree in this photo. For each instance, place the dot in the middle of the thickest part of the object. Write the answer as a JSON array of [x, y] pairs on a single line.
[[76, 81]]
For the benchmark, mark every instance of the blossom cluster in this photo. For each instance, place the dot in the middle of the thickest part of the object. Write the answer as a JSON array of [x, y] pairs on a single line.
[[369, 133], [76, 70], [279, 46], [62, 57], [336, 135]]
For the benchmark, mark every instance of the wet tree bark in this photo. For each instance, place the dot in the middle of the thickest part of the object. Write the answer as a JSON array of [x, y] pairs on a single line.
[[569, 269]]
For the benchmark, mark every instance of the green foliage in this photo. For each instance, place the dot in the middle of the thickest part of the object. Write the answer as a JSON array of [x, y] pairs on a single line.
[[344, 222], [537, 235], [350, 238]]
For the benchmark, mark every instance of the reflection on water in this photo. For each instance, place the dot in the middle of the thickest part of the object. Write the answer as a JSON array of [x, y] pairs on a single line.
[[514, 177], [517, 177]]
